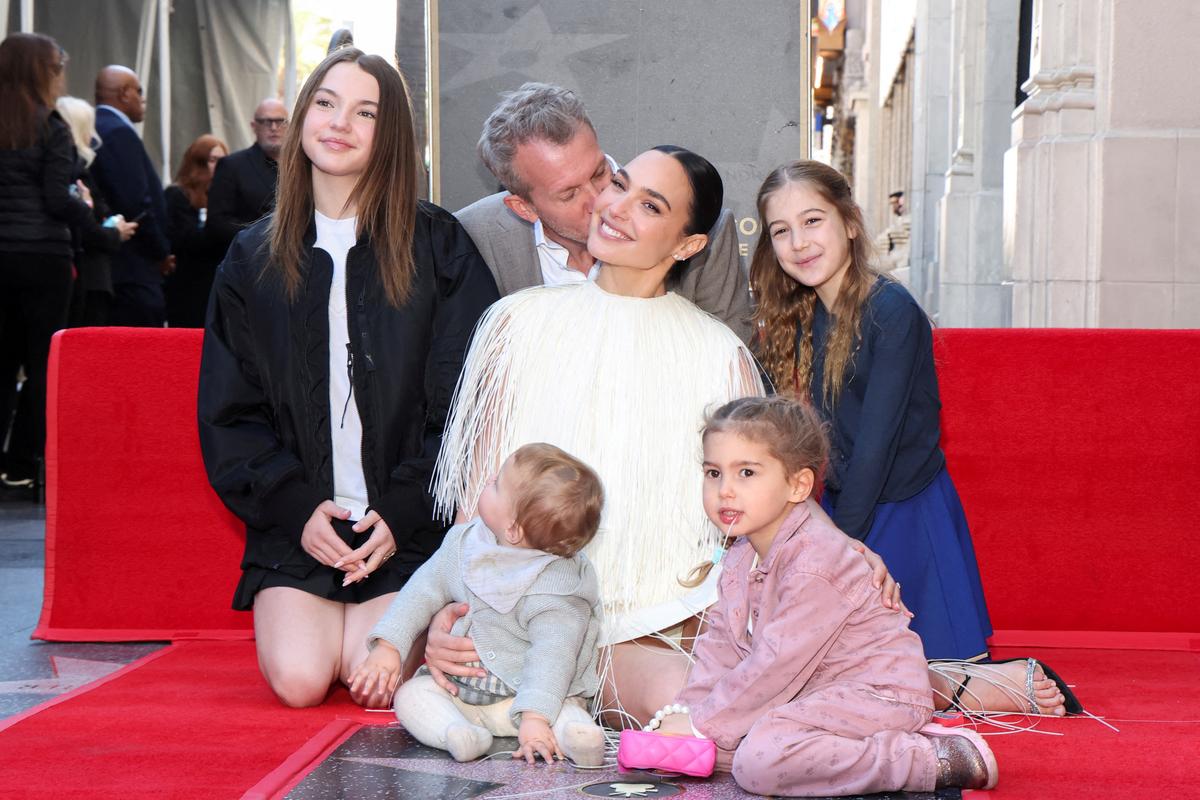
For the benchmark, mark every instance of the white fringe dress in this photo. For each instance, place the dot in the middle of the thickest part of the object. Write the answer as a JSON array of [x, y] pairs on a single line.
[[623, 384]]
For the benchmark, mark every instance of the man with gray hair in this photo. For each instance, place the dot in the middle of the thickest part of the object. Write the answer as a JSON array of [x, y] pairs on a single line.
[[541, 146]]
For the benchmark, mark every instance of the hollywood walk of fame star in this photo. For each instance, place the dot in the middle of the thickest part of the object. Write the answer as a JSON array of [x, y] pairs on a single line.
[[69, 674]]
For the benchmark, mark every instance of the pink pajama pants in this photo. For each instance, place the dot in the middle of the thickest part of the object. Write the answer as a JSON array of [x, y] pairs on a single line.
[[840, 739]]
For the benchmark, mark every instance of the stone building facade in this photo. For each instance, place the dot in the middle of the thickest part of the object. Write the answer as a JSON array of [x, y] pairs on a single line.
[[1051, 167]]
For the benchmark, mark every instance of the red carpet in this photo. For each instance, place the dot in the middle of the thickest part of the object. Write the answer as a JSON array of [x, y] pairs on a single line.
[[1149, 695], [138, 547], [194, 720], [1077, 454], [1077, 449]]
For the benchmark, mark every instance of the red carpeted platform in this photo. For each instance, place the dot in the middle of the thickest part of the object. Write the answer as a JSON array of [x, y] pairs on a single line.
[[138, 547], [1077, 454], [194, 720]]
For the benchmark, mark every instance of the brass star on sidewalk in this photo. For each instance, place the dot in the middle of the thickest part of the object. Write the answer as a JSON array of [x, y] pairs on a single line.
[[69, 673]]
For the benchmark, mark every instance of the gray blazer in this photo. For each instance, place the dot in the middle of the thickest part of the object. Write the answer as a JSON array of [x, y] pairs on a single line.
[[545, 648], [713, 279]]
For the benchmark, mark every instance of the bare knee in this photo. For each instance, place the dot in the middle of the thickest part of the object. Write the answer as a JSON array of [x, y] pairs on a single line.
[[299, 688]]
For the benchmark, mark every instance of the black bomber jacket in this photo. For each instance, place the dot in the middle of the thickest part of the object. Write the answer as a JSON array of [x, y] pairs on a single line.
[[263, 402]]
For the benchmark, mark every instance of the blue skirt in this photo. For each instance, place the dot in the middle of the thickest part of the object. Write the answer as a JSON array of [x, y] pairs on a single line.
[[926, 545]]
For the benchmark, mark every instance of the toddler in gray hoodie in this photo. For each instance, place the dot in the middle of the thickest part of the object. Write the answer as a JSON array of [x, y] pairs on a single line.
[[534, 617]]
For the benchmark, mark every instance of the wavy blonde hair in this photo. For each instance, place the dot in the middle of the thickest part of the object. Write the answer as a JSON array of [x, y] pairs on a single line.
[[785, 311], [80, 117]]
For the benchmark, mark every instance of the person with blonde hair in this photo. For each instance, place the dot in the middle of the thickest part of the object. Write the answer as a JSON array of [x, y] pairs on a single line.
[[99, 238]]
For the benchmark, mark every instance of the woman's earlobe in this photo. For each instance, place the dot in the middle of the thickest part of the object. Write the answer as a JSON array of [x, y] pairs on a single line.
[[694, 245]]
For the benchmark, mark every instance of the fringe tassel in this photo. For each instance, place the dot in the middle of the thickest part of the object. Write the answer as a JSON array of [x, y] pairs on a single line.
[[622, 383]]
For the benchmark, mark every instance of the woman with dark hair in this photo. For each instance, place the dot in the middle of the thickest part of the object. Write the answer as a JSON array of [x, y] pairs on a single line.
[[335, 333], [196, 252], [617, 372], [37, 169]]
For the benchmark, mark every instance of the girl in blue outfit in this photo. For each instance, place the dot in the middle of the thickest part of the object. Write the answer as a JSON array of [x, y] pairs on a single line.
[[860, 348]]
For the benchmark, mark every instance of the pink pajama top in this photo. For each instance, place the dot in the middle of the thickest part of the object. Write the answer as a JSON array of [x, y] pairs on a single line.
[[817, 621]]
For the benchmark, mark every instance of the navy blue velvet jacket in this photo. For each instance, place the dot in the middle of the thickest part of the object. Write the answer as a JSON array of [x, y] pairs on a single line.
[[885, 426]]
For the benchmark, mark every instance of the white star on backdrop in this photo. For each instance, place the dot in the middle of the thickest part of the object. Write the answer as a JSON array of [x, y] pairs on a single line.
[[528, 46]]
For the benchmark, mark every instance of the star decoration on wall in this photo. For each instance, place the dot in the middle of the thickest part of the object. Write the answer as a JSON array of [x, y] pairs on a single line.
[[528, 46]]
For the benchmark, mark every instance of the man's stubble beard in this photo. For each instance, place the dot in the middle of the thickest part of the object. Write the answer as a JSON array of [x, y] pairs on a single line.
[[571, 236]]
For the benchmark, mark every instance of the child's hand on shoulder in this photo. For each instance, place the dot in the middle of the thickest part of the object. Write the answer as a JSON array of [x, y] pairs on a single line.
[[379, 674], [536, 738]]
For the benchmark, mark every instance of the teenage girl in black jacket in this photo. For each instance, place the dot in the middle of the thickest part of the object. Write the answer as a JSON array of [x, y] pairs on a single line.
[[332, 347]]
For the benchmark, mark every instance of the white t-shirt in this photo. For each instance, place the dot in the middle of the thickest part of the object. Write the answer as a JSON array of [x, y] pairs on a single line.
[[336, 237]]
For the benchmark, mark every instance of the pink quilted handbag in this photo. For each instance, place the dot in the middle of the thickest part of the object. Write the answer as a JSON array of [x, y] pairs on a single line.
[[683, 754]]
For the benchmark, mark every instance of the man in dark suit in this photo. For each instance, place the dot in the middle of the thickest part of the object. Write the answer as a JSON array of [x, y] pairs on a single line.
[[541, 146], [133, 188], [243, 187]]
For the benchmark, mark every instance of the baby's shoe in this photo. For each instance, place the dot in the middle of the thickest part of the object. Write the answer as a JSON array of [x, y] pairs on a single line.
[[583, 743], [467, 742]]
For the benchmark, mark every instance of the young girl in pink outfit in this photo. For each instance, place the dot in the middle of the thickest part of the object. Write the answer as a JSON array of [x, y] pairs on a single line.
[[807, 685]]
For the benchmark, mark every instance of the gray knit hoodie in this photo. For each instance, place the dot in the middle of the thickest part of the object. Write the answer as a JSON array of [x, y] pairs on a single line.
[[544, 648]]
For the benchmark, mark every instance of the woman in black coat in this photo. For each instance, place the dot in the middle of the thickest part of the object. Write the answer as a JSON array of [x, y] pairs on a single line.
[[335, 335], [37, 163], [197, 252]]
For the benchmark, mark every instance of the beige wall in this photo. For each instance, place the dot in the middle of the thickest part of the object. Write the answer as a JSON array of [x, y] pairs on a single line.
[[1102, 182]]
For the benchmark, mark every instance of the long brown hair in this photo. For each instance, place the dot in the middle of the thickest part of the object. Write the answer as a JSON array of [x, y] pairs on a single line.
[[193, 175], [785, 306], [385, 195], [790, 430], [29, 64]]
